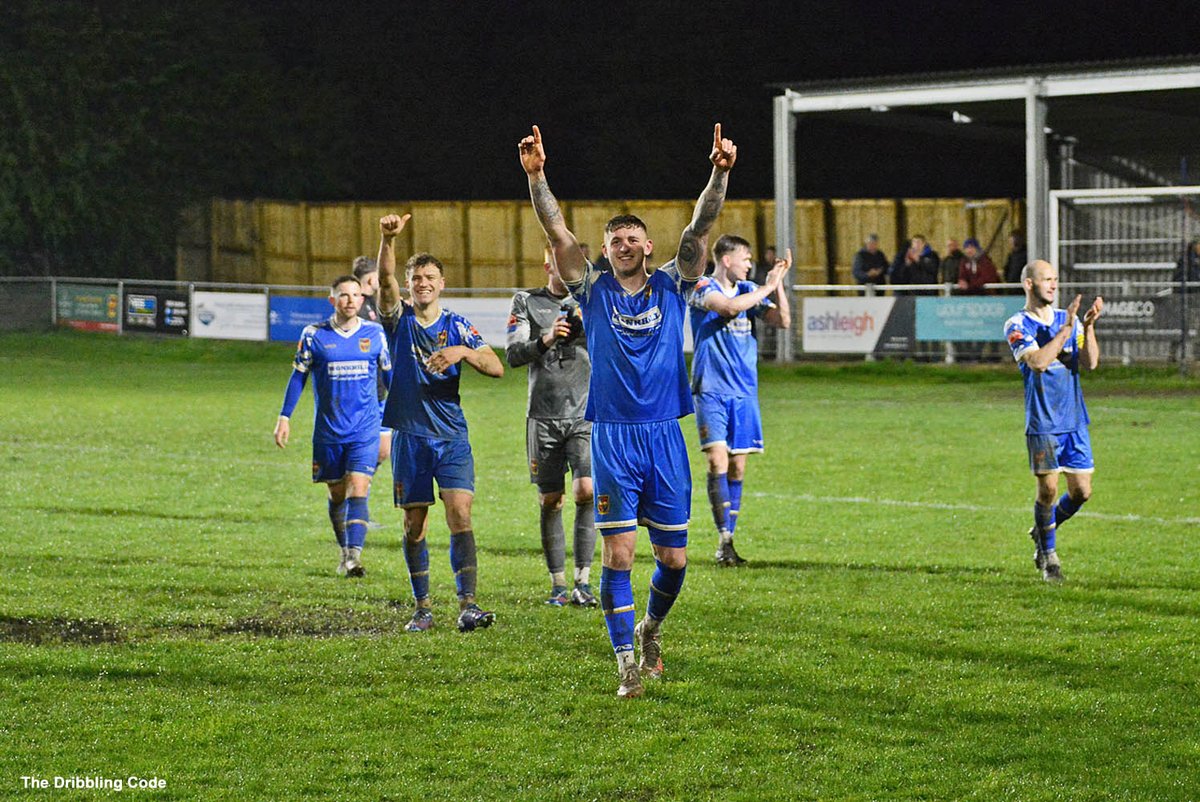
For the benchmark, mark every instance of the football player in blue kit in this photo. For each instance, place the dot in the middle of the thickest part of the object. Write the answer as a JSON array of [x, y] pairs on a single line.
[[345, 355], [1051, 346], [431, 344], [725, 374], [633, 319]]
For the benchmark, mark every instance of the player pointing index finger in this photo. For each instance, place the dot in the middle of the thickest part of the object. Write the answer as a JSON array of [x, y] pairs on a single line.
[[633, 319]]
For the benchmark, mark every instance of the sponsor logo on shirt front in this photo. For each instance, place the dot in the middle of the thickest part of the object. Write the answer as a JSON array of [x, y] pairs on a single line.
[[345, 371], [641, 325]]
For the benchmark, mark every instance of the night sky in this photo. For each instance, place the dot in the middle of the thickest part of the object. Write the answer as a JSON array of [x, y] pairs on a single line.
[[430, 98]]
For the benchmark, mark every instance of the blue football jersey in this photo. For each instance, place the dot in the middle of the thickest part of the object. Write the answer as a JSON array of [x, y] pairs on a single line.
[[344, 367], [636, 346], [1054, 398], [725, 353], [420, 401]]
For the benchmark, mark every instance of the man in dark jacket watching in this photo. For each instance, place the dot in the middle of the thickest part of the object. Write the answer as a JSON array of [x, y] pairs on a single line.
[[870, 263]]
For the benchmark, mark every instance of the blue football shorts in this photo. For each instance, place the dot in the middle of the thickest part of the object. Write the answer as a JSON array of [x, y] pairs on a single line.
[[417, 461], [731, 421], [1070, 452], [642, 476], [332, 461]]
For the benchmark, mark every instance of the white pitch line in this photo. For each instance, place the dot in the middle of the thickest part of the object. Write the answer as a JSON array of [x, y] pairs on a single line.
[[937, 505]]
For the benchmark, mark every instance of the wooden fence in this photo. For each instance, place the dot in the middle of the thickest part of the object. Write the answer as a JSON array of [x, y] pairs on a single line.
[[499, 243]]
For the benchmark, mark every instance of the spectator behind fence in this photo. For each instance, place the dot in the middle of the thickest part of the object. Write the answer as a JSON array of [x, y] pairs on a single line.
[[950, 262], [1017, 257], [1189, 266], [918, 264], [763, 267], [975, 270], [870, 263]]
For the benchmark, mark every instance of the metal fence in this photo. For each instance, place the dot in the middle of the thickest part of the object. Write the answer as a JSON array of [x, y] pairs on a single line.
[[930, 322]]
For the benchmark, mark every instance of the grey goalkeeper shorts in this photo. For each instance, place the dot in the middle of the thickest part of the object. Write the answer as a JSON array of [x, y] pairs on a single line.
[[552, 446]]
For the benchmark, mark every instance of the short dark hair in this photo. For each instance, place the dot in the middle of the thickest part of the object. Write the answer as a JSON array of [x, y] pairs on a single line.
[[728, 243], [420, 260], [364, 266], [340, 280], [625, 221]]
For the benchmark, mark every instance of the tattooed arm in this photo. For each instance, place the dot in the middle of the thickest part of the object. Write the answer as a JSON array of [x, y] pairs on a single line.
[[693, 245], [567, 254]]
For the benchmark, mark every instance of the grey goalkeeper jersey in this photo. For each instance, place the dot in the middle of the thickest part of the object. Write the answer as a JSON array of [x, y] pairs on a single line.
[[558, 376]]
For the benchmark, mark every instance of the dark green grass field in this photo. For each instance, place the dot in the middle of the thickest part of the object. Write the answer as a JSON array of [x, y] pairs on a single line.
[[168, 606]]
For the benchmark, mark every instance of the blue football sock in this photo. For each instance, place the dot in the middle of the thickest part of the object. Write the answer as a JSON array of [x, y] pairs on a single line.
[[357, 518], [1043, 519], [337, 518], [1065, 509], [665, 585], [616, 600], [462, 560], [416, 555], [718, 499], [735, 503]]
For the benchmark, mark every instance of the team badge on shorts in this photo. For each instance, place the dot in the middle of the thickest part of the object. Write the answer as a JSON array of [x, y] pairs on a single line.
[[364, 345], [398, 489], [602, 504], [533, 467], [316, 470]]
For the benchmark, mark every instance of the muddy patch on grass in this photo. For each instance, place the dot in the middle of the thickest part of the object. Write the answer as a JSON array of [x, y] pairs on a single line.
[[38, 631], [285, 623]]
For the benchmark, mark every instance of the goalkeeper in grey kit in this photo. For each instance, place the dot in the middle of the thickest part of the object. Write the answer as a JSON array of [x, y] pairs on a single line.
[[545, 332]]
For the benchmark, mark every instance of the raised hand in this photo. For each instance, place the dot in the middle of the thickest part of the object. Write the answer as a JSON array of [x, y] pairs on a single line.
[[533, 155], [724, 152], [392, 224], [1073, 309], [779, 270], [1093, 312]]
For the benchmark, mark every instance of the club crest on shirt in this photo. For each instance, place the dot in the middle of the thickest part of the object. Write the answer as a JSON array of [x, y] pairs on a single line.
[[364, 344], [442, 338], [602, 504]]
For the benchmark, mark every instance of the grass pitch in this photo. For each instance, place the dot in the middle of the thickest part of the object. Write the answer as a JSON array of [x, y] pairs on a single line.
[[168, 606]]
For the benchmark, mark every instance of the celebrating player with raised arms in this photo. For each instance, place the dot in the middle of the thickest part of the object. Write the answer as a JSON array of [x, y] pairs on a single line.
[[633, 319], [430, 443], [1051, 346], [344, 355], [725, 374]]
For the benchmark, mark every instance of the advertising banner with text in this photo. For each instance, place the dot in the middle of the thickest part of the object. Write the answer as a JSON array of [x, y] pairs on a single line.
[[966, 318], [160, 311], [290, 314], [89, 307], [858, 325], [229, 315]]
